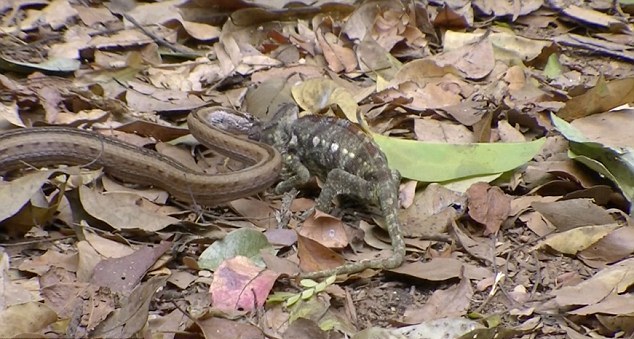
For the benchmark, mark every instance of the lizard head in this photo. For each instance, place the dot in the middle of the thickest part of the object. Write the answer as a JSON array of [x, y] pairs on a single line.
[[277, 131]]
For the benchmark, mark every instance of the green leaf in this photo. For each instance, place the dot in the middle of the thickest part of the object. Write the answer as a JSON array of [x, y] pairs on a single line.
[[308, 293], [245, 242], [328, 325], [617, 167], [53, 66], [331, 279], [616, 164], [321, 286], [437, 162], [292, 300], [553, 68], [308, 283], [279, 297], [463, 184]]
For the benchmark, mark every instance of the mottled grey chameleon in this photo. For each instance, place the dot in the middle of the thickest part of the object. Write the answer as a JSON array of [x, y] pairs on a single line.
[[348, 162]]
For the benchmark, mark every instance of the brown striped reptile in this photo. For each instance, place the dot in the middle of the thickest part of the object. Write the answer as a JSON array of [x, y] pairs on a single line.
[[44, 146]]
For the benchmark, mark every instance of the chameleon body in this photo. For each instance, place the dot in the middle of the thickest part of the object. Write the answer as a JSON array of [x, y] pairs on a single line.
[[348, 162]]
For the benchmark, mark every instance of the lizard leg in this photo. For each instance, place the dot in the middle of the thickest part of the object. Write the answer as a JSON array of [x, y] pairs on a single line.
[[342, 182], [396, 176], [301, 174], [387, 199]]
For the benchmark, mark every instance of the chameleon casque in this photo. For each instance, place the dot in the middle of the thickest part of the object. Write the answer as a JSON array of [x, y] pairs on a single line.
[[348, 162]]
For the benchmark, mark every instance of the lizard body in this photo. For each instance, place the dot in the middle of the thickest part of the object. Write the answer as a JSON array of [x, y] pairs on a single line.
[[348, 162]]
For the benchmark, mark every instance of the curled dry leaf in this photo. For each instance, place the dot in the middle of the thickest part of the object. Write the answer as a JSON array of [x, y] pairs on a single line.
[[488, 205], [315, 256], [120, 214], [325, 229]]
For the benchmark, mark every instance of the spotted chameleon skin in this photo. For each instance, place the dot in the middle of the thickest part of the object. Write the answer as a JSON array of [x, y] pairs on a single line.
[[348, 162], [325, 143]]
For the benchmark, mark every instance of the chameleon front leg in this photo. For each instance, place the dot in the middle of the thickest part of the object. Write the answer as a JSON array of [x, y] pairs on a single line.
[[341, 182], [300, 176], [385, 194], [338, 182]]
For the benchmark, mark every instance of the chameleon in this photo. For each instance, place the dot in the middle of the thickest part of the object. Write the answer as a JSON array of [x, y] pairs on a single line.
[[348, 162]]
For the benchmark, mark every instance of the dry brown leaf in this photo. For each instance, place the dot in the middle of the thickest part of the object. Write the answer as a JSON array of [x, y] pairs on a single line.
[[124, 322], [577, 239], [615, 246], [375, 60], [119, 214], [258, 212], [325, 229], [127, 38], [339, 58], [107, 248], [225, 329], [568, 214], [145, 98], [31, 317], [434, 209], [13, 292], [451, 302], [282, 237], [593, 17], [15, 194], [480, 248], [57, 13], [40, 265], [604, 96], [381, 21], [507, 8], [488, 205], [315, 95], [82, 117], [69, 298], [124, 273], [88, 259], [315, 256], [467, 113], [508, 133], [431, 96], [441, 269], [537, 223], [92, 15], [370, 236], [612, 280], [151, 194], [432, 130], [280, 265], [9, 115], [458, 14], [406, 193], [611, 129], [475, 61]]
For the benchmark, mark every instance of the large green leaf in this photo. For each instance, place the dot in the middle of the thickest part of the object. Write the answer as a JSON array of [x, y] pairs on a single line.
[[615, 163], [437, 162]]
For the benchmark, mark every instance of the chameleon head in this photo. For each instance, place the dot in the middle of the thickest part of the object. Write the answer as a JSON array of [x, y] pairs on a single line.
[[277, 131]]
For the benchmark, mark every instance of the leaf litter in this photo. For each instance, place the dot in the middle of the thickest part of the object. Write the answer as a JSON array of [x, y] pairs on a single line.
[[514, 143]]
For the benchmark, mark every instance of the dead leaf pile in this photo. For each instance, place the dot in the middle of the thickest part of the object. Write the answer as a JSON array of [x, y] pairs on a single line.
[[510, 122]]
